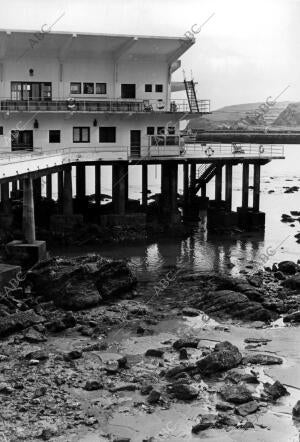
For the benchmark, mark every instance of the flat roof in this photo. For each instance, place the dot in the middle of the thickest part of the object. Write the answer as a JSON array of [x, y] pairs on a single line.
[[47, 43]]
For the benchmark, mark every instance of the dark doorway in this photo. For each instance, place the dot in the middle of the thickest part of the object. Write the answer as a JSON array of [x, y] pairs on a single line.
[[135, 143], [127, 90], [21, 140]]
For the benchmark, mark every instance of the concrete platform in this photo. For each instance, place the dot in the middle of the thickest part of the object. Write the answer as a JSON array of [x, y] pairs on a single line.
[[8, 275], [250, 220], [24, 254], [219, 218]]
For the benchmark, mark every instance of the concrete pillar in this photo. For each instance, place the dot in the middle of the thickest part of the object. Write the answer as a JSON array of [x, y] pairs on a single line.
[[169, 183], [119, 188], [218, 184], [5, 203], [245, 189], [67, 192], [144, 186], [37, 189], [80, 181], [186, 183], [256, 187], [98, 184], [228, 185], [60, 186], [49, 186], [28, 211]]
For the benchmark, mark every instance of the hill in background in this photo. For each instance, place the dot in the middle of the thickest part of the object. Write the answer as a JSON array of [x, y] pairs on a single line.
[[251, 116]]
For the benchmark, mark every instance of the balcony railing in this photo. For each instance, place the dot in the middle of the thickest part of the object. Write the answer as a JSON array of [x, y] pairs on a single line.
[[104, 105]]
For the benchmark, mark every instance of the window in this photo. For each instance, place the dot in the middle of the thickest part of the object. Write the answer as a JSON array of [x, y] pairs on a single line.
[[54, 136], [107, 134], [81, 134], [127, 90], [101, 88], [148, 87], [1, 130], [75, 88], [150, 130], [158, 88], [88, 88], [171, 130], [160, 131]]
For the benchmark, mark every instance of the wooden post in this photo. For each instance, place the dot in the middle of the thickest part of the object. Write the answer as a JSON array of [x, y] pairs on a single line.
[[218, 184], [256, 187], [120, 188], [49, 186], [144, 185], [98, 184], [5, 203], [228, 186], [186, 193], [60, 186], [67, 192], [28, 211], [80, 181], [245, 189]]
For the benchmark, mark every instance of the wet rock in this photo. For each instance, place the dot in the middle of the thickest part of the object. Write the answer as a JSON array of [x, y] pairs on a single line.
[[122, 439], [237, 377], [189, 311], [123, 386], [18, 321], [257, 340], [292, 282], [279, 275], [237, 394], [73, 354], [288, 267], [183, 354], [33, 336], [224, 357], [179, 369], [292, 317], [246, 425], [275, 391], [145, 389], [155, 352], [223, 406], [249, 408], [81, 282], [36, 354], [186, 342], [39, 392], [93, 385], [232, 304], [184, 391], [206, 421], [48, 431], [5, 388], [153, 397], [262, 359], [296, 410]]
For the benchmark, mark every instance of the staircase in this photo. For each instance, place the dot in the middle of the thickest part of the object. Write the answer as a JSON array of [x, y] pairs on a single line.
[[191, 96], [205, 173]]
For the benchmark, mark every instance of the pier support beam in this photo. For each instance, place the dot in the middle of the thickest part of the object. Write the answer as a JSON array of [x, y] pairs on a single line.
[[98, 184], [6, 216], [80, 181], [256, 187], [30, 251], [60, 186], [245, 188], [144, 186], [67, 192], [119, 188], [37, 189], [186, 193], [228, 186], [218, 184], [192, 179], [49, 186], [169, 184]]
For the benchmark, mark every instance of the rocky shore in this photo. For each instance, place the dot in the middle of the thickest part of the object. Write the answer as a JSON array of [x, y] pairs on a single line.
[[67, 373]]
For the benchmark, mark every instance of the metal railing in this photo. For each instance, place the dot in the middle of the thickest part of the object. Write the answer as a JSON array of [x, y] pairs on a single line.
[[70, 104], [234, 150]]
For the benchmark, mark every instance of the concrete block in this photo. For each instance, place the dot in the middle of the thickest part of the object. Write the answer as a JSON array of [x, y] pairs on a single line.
[[25, 254]]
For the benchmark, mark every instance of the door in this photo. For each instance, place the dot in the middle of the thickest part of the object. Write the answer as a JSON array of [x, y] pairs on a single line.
[[127, 90], [135, 143], [21, 140]]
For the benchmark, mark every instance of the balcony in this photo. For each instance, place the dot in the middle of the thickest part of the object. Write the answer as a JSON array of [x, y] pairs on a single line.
[[105, 105]]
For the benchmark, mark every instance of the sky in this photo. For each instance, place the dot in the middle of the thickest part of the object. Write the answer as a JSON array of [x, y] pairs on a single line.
[[246, 50]]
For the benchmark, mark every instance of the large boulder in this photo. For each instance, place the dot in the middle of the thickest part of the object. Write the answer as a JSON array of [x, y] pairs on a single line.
[[80, 282], [234, 304], [224, 357], [237, 394], [288, 267], [262, 359], [292, 283]]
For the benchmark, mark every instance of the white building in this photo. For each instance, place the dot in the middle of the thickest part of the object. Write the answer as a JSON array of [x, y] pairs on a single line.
[[86, 91]]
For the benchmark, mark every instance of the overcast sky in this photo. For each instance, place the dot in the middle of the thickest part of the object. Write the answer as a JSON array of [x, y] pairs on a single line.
[[247, 51]]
